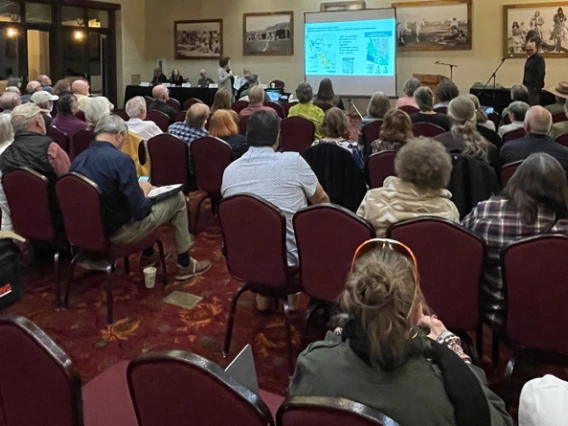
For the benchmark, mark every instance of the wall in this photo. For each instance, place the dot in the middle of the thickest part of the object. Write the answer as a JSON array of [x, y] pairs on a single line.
[[474, 65]]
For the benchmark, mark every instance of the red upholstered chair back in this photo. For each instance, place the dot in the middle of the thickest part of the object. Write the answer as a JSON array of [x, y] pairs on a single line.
[[276, 107], [288, 106], [180, 116], [372, 131], [169, 157], [507, 172], [80, 203], [449, 261], [243, 122], [310, 411], [210, 156], [149, 100], [427, 129], [534, 274], [239, 106], [296, 134], [325, 255], [81, 142], [38, 384], [409, 109], [441, 110], [190, 102], [180, 388], [80, 115], [59, 137], [381, 166], [122, 114], [559, 117], [495, 118], [277, 84], [161, 119], [563, 139], [254, 232], [324, 105], [174, 103], [514, 134], [27, 193]]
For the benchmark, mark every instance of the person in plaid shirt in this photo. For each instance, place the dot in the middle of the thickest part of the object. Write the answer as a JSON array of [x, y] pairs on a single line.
[[192, 128], [535, 201]]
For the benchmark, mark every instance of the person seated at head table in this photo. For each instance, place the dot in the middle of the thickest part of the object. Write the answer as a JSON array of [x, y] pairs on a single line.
[[204, 81], [158, 77], [176, 79]]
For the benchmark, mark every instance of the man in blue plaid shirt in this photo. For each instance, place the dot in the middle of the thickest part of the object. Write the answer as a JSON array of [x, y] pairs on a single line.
[[193, 127]]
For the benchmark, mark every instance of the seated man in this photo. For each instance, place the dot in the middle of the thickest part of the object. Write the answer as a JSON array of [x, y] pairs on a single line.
[[32, 148], [517, 112], [256, 99], [32, 87], [44, 100], [252, 81], [254, 173], [519, 93], [9, 101], [127, 214], [537, 125], [80, 89], [204, 81], [561, 128], [161, 94], [45, 82], [136, 110], [194, 125]]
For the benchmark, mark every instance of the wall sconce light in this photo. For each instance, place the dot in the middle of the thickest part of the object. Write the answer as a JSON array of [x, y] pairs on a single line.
[[11, 32], [79, 35]]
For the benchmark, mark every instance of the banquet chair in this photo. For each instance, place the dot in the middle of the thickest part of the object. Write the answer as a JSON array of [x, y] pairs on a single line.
[[174, 103], [149, 101], [169, 160], [80, 142], [59, 137], [441, 110], [38, 383], [254, 235], [507, 172], [409, 109], [490, 135], [563, 139], [495, 118], [160, 119], [288, 106], [80, 115], [428, 130], [122, 114], [296, 134], [371, 132], [243, 122], [513, 135], [559, 117], [189, 102], [276, 107], [239, 106], [277, 84], [323, 105], [180, 116], [380, 166]]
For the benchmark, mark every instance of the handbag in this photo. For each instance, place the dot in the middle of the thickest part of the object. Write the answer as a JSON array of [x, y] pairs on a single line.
[[11, 279]]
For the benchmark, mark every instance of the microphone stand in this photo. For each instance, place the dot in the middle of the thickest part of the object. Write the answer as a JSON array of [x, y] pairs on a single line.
[[452, 66], [494, 77], [355, 108]]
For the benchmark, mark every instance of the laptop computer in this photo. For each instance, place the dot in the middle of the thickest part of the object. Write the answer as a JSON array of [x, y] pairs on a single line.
[[274, 94], [243, 370]]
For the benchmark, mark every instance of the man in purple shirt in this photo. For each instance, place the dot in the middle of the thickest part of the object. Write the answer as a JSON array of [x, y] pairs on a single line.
[[65, 119]]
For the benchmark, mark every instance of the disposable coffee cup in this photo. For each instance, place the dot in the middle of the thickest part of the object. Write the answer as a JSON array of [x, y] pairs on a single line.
[[150, 276]]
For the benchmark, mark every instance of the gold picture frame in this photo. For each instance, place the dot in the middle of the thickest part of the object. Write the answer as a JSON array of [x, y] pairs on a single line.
[[339, 6]]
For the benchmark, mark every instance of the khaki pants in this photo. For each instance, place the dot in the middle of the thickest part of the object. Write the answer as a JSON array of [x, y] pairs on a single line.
[[172, 211]]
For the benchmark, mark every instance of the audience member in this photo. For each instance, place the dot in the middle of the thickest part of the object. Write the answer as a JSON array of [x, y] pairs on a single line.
[[464, 137], [204, 81], [65, 119], [396, 131], [378, 106], [306, 107], [194, 125], [533, 203], [12, 89], [80, 89], [243, 79], [423, 168], [45, 82], [136, 110], [61, 86], [159, 77], [446, 91], [517, 112], [225, 76], [382, 357], [252, 81], [425, 99], [95, 109], [9, 101], [480, 115], [161, 94], [409, 88], [14, 82], [519, 93], [558, 106], [6, 138], [32, 87], [326, 95], [558, 129], [222, 100], [128, 215], [256, 99], [176, 79], [543, 402], [335, 130], [44, 100], [538, 123], [222, 125]]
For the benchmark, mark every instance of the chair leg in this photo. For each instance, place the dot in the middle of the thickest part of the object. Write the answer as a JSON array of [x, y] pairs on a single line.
[[69, 279], [230, 322], [495, 350], [510, 367], [197, 212], [108, 290], [311, 309], [126, 265], [479, 340], [57, 280], [163, 262], [289, 348]]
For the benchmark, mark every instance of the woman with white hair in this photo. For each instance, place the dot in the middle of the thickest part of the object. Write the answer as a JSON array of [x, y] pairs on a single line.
[[6, 138]]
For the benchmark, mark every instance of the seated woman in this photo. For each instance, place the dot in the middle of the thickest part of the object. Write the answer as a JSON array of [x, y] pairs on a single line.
[[224, 100], [326, 95], [176, 79], [409, 88], [334, 129], [383, 357], [464, 137], [306, 107], [425, 99], [446, 90], [379, 104], [396, 131], [423, 169], [482, 119], [222, 125], [65, 119], [535, 201]]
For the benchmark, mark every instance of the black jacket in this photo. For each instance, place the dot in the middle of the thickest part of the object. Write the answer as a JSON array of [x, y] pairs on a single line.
[[165, 108], [535, 71], [159, 80], [520, 149]]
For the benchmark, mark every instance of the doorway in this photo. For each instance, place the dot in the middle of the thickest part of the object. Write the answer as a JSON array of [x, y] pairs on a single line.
[[38, 53]]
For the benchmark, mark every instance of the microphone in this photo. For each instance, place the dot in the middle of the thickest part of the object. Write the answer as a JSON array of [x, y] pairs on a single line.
[[506, 57], [443, 63]]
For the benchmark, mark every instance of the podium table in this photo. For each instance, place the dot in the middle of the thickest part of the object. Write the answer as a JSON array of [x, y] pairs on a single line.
[[500, 98], [182, 94]]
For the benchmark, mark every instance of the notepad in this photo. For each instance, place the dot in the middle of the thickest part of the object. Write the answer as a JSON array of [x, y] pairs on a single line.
[[162, 192]]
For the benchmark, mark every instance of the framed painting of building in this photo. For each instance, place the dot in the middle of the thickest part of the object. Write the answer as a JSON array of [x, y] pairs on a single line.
[[201, 39], [339, 6], [268, 33]]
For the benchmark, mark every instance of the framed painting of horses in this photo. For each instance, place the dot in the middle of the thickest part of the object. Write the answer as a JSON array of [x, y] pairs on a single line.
[[545, 22], [433, 25]]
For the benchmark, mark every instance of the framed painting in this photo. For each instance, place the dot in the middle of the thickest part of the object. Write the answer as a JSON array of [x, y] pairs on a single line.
[[434, 25], [201, 39], [268, 33], [339, 6], [543, 21]]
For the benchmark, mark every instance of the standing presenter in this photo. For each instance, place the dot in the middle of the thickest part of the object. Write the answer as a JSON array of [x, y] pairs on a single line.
[[535, 71]]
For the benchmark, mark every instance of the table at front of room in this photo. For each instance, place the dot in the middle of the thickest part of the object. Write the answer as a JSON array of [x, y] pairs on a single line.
[[500, 98], [182, 94]]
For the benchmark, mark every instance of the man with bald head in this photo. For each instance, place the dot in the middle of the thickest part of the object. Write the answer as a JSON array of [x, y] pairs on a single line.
[[80, 89], [194, 125], [161, 95], [32, 87], [538, 123], [9, 101], [45, 82]]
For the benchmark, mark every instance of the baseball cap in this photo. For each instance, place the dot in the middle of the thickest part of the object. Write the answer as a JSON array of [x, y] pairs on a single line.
[[543, 402], [42, 97], [28, 110]]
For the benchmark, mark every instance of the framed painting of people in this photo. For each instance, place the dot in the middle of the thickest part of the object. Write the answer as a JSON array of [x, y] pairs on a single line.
[[339, 6], [201, 39], [268, 33]]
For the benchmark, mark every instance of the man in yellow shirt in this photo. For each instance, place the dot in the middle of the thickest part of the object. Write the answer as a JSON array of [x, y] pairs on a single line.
[[307, 109]]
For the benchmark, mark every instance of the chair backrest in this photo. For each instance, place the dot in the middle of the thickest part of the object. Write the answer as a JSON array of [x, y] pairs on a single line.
[[38, 383], [325, 255], [80, 115], [324, 105], [210, 156], [296, 134], [563, 139], [180, 116], [169, 160], [161, 119], [535, 292], [80, 203], [559, 117], [507, 172], [427, 129], [449, 261], [189, 102], [243, 123], [80, 142], [277, 84], [288, 106], [372, 131], [409, 109], [27, 193], [491, 135], [276, 107], [122, 114], [211, 397], [380, 167], [309, 411], [174, 103], [254, 232], [59, 137], [495, 118], [239, 106], [441, 110], [514, 134], [149, 100]]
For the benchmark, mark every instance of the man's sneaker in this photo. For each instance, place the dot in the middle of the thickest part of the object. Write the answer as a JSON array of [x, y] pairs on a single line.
[[195, 268]]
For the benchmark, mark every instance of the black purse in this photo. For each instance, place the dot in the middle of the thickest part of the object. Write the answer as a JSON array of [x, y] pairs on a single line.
[[11, 280]]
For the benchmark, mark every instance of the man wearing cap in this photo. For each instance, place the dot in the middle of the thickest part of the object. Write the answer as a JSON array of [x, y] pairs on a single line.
[[560, 92], [204, 81], [45, 100]]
